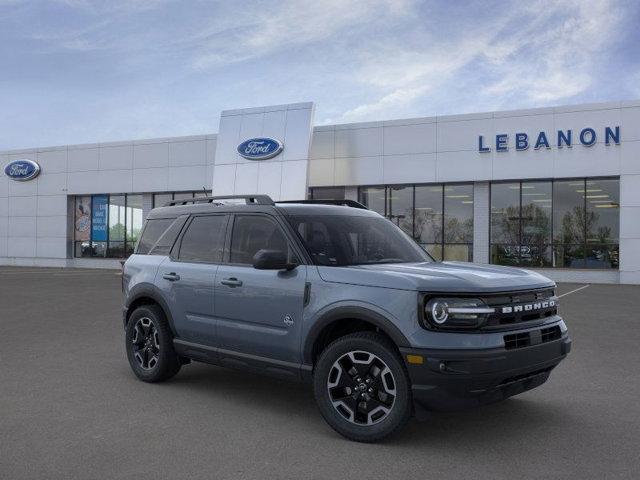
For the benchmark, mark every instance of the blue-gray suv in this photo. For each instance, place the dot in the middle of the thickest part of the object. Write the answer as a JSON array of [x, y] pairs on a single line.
[[336, 295]]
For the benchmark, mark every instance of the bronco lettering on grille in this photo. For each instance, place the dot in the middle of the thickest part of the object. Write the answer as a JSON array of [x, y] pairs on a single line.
[[529, 307]]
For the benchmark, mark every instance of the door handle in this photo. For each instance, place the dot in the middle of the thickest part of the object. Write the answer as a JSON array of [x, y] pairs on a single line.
[[172, 277], [231, 282]]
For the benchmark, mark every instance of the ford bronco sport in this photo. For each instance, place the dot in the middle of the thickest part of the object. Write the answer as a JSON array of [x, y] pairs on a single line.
[[336, 295]]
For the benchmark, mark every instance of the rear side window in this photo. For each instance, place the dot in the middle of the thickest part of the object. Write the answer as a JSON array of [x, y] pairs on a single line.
[[168, 238], [152, 232], [204, 239]]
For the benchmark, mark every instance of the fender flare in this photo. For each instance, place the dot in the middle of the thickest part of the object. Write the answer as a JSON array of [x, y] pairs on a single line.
[[149, 291], [355, 313]]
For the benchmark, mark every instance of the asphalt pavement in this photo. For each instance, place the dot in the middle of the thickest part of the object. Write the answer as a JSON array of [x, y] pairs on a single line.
[[70, 408]]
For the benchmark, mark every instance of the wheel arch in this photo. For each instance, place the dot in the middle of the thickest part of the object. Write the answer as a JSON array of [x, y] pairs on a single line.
[[147, 295], [346, 318]]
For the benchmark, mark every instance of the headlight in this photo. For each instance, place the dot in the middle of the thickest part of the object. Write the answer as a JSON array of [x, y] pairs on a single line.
[[456, 312]]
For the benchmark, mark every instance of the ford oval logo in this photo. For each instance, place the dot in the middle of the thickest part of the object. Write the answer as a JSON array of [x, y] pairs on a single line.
[[22, 170], [260, 148]]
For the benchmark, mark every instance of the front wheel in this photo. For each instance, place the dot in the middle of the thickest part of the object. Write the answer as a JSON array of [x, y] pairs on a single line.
[[362, 387], [149, 345]]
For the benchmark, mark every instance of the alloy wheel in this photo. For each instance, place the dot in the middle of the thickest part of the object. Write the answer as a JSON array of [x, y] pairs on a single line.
[[146, 343], [361, 387]]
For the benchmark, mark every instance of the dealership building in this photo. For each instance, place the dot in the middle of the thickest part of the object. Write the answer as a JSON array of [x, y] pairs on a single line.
[[552, 189]]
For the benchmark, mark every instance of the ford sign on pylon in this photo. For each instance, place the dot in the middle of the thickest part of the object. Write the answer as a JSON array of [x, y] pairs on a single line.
[[260, 148]]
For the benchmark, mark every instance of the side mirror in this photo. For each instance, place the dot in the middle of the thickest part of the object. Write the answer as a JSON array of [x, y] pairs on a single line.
[[272, 260]]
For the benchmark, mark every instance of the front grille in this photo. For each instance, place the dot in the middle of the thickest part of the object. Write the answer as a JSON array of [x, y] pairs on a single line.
[[517, 340], [535, 337], [549, 334], [518, 307]]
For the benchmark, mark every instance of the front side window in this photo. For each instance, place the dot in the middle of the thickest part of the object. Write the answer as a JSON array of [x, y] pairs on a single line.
[[337, 240], [203, 241], [252, 233]]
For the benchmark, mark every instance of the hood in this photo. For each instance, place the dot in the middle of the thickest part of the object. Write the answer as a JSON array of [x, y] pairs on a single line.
[[437, 277]]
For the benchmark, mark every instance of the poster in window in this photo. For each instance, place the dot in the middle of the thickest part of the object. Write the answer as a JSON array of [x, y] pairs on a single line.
[[83, 219], [99, 218]]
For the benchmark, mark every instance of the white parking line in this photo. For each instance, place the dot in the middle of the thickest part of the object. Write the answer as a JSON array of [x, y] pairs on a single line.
[[573, 291], [57, 273]]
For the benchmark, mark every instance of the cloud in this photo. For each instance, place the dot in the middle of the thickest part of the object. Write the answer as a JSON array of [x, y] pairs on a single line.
[[555, 63], [542, 52], [398, 98], [287, 25], [125, 69]]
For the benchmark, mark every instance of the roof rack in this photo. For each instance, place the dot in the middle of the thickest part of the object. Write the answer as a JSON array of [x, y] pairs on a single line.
[[344, 203], [249, 200]]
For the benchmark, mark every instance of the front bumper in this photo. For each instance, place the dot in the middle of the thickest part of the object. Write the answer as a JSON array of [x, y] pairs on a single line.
[[451, 379]]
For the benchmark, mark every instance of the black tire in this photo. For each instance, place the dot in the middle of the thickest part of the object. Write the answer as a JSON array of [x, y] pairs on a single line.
[[154, 360], [340, 398]]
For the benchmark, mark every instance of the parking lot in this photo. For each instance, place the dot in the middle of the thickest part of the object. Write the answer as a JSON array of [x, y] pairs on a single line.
[[71, 408]]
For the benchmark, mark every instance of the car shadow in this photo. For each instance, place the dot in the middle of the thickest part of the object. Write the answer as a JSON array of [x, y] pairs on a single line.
[[517, 418]]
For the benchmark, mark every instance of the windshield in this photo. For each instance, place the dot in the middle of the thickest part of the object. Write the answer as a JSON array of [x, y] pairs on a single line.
[[340, 240]]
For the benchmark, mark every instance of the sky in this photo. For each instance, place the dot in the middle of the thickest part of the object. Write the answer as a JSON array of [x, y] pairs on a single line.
[[80, 71]]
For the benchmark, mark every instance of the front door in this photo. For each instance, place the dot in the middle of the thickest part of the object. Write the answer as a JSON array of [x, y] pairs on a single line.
[[188, 277], [259, 312]]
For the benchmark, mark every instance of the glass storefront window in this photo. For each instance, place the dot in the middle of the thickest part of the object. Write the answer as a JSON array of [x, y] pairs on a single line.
[[439, 217], [428, 218], [602, 198], [400, 207], [134, 221], [373, 198], [161, 199], [536, 200], [327, 193], [603, 211], [458, 222], [505, 223], [505, 213], [564, 223], [82, 226], [568, 212], [182, 195], [117, 219], [107, 225]]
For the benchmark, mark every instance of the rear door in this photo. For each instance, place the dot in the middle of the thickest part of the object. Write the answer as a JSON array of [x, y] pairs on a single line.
[[187, 277], [259, 312]]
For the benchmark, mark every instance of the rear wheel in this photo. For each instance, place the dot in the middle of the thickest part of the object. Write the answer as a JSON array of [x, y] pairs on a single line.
[[362, 387], [149, 345]]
